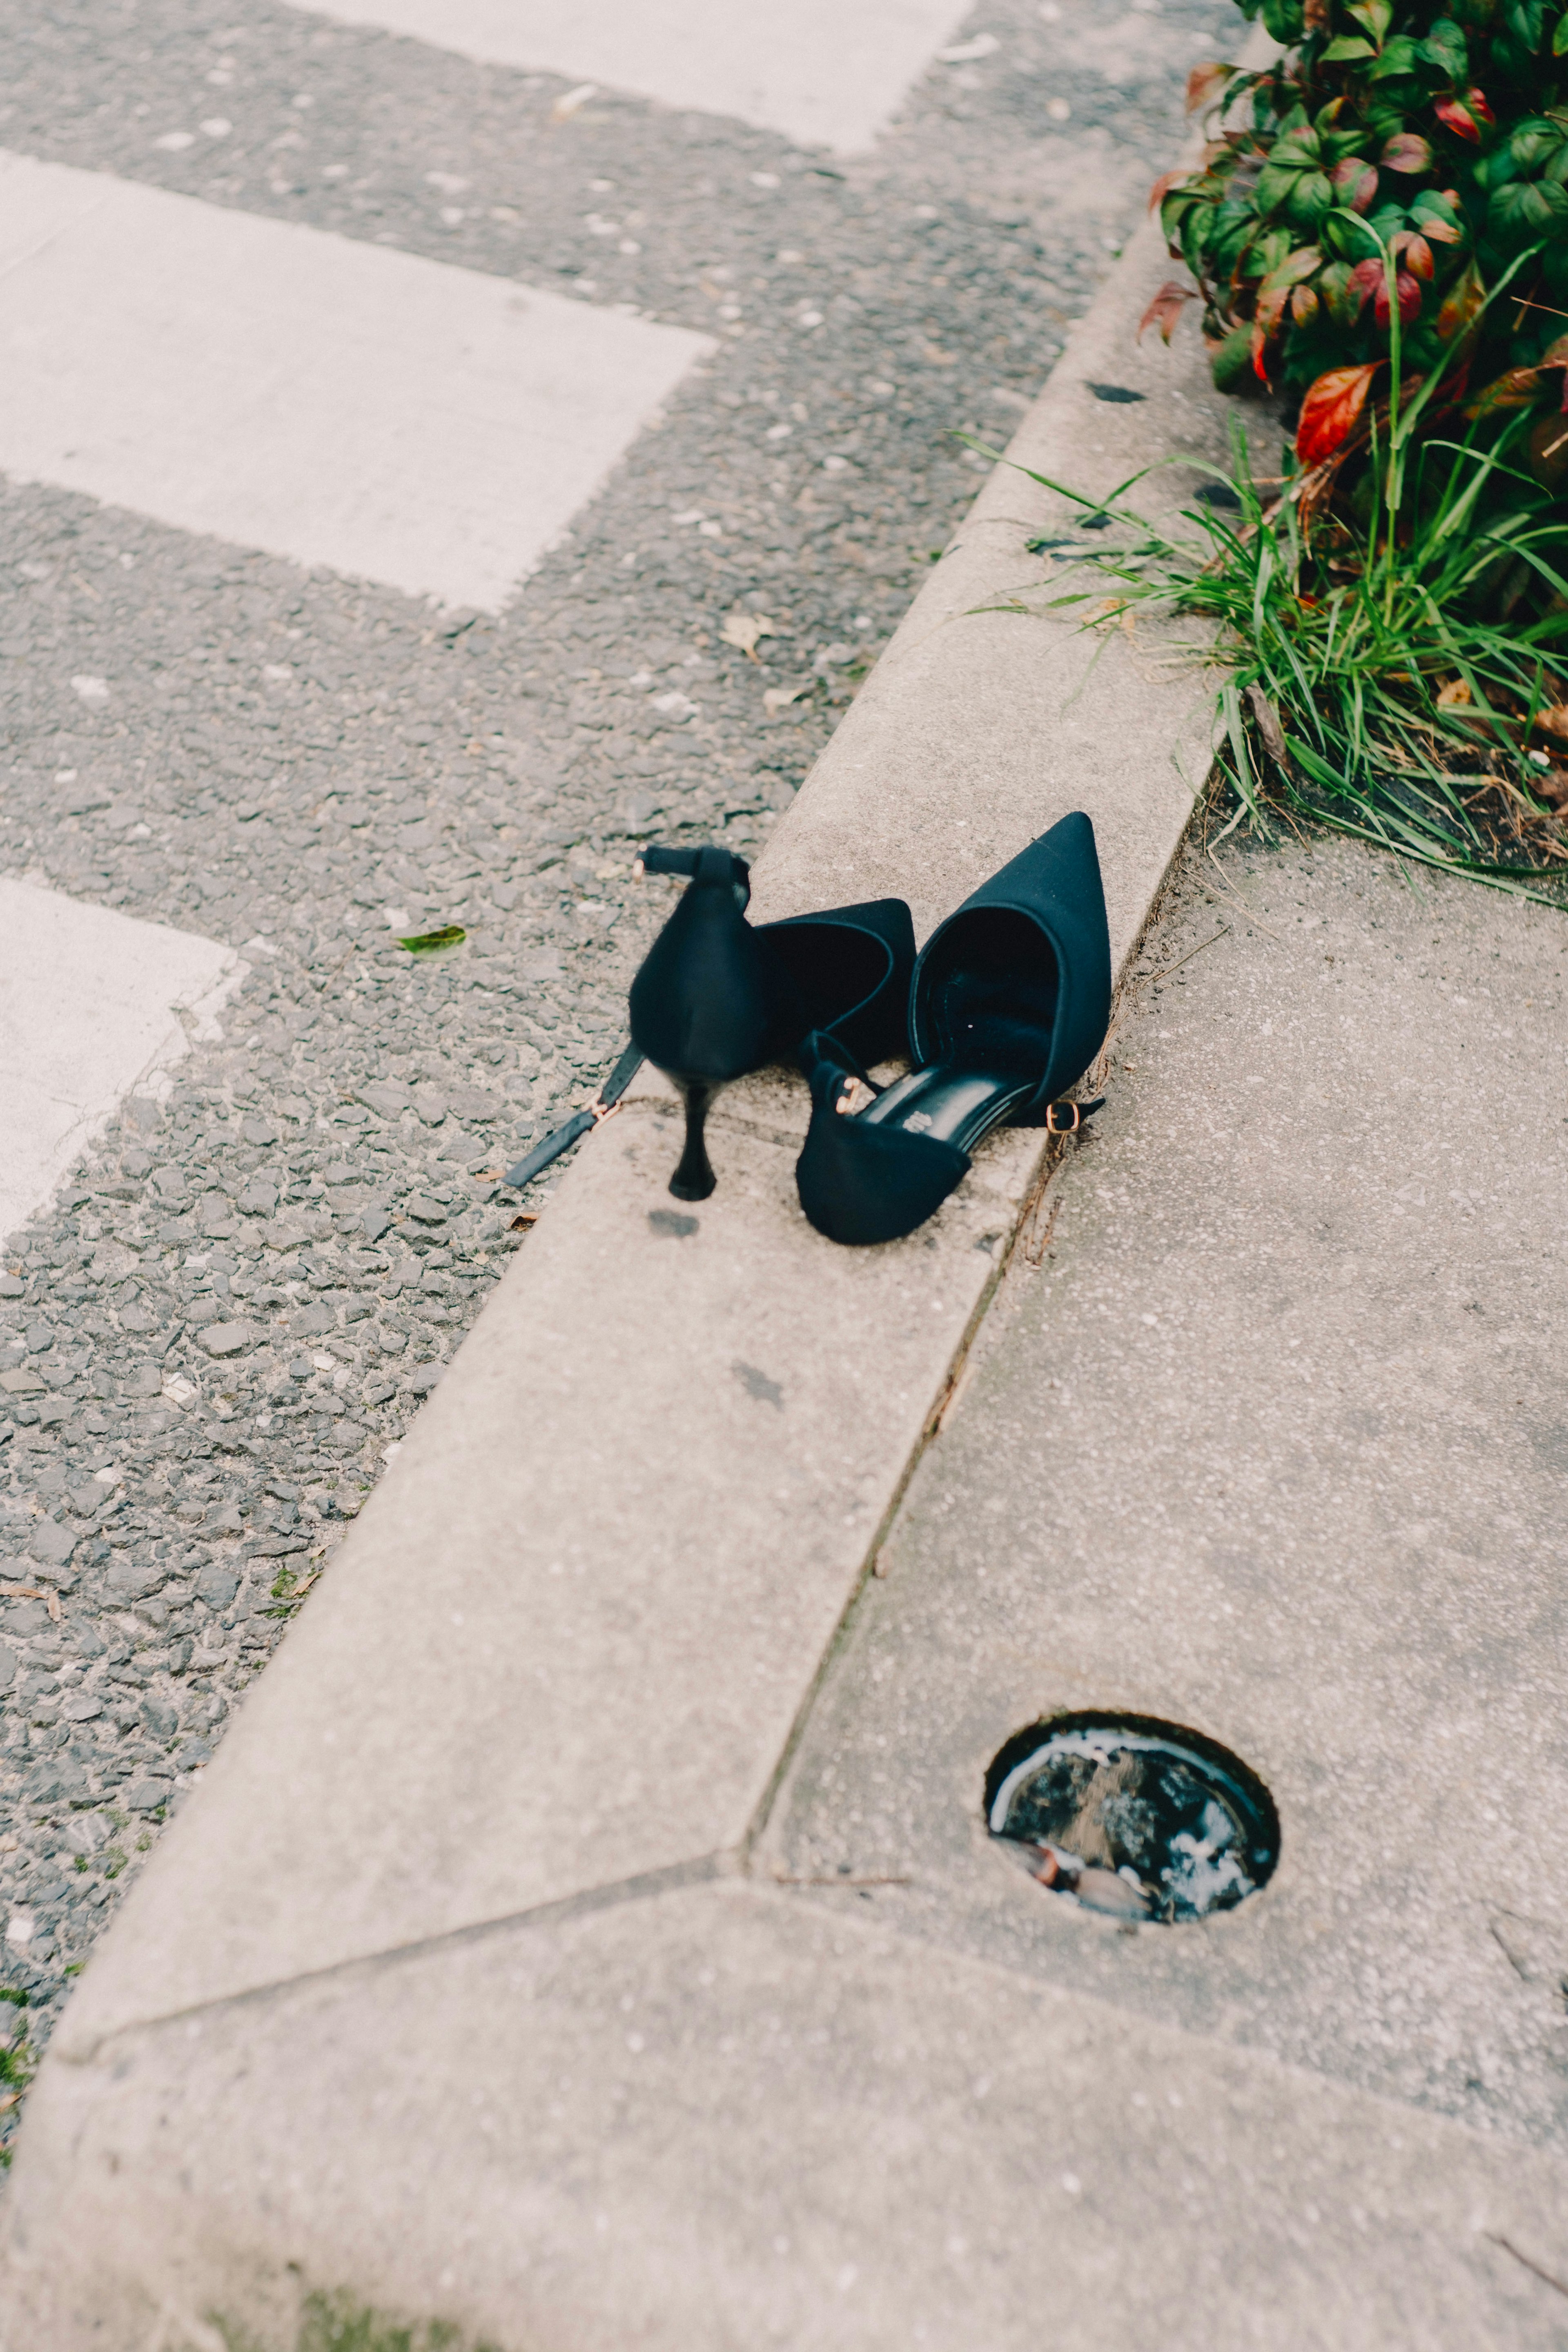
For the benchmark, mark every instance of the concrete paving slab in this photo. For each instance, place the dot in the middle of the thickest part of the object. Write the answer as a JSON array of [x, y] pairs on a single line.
[[823, 74], [1271, 1445], [716, 2117], [312, 396], [94, 1006]]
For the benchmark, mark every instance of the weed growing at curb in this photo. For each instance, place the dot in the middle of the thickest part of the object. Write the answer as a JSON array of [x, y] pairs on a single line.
[[340, 2322], [1364, 612], [16, 2066]]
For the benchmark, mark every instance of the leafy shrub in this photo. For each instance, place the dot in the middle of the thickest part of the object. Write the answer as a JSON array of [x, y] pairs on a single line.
[[1365, 683], [1370, 194]]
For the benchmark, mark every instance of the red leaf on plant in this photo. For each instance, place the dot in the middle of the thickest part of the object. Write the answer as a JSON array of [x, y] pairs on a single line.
[[1260, 355], [1304, 305], [1408, 289], [1354, 172], [1204, 83], [1406, 152], [1162, 188], [1330, 410], [1443, 232], [1270, 310], [1166, 307], [1371, 277], [1476, 102], [1458, 118], [1414, 253]]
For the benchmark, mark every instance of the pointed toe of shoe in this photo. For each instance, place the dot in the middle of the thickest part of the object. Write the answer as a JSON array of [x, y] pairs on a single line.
[[862, 1184]]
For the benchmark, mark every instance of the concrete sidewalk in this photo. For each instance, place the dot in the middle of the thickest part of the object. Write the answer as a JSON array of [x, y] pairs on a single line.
[[1263, 1436]]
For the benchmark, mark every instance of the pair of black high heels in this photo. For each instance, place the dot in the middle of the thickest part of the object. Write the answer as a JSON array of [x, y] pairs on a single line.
[[1001, 1011]]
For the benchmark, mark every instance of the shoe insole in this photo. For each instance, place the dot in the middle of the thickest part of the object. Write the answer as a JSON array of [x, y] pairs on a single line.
[[955, 1106]]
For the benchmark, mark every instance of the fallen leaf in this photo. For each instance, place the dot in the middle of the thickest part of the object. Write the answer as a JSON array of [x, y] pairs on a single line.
[[1515, 388], [1555, 719], [1454, 696], [778, 697], [567, 104], [1269, 726], [1166, 307], [420, 943], [521, 1225], [745, 630], [1331, 410]]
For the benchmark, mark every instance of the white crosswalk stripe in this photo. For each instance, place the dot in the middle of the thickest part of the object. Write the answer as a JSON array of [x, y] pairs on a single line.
[[818, 71], [428, 427], [93, 1004]]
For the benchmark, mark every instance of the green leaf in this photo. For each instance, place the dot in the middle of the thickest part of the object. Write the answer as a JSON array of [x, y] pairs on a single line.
[[1310, 199], [1399, 58], [1523, 211], [1447, 48], [1348, 45], [1273, 188], [1232, 363], [1284, 20], [424, 943], [1560, 38], [1376, 15], [1526, 20]]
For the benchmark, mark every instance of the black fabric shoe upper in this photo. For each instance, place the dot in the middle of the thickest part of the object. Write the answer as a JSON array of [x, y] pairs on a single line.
[[1016, 985], [716, 997], [1020, 975]]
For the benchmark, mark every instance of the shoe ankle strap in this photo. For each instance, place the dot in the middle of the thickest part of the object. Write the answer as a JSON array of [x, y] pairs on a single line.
[[704, 865]]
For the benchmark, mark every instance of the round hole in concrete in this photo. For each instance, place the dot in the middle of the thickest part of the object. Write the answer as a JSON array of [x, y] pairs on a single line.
[[1138, 1818]]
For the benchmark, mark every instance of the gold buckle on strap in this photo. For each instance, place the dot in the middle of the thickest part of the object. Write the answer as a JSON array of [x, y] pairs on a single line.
[[1074, 1123]]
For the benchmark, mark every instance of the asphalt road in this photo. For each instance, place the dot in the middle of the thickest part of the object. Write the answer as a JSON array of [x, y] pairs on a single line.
[[211, 1339]]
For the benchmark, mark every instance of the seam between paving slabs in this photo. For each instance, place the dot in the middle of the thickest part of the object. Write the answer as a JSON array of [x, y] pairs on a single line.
[[1053, 1163], [703, 1870]]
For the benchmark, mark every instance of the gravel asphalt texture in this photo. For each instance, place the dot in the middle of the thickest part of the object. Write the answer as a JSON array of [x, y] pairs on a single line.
[[208, 1347]]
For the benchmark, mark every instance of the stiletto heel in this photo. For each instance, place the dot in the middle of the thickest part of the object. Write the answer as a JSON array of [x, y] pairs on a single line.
[[694, 1179], [716, 998], [1008, 1005]]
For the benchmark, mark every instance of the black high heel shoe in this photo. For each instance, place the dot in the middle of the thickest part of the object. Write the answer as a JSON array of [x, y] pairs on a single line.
[[716, 997], [1008, 1005]]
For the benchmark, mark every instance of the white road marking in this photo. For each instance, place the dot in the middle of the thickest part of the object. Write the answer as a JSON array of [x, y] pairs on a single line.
[[826, 72], [93, 1006], [397, 419]]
